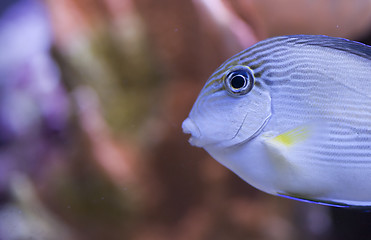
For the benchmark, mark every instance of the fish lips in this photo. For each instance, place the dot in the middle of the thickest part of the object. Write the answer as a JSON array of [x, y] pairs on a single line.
[[189, 127]]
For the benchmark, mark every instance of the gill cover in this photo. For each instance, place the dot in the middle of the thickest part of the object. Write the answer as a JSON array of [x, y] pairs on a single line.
[[220, 117]]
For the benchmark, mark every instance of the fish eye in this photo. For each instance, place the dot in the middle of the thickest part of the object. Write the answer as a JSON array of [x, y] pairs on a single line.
[[239, 82]]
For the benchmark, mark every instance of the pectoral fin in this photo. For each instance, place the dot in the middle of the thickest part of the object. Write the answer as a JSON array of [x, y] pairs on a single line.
[[288, 156], [281, 147], [292, 137]]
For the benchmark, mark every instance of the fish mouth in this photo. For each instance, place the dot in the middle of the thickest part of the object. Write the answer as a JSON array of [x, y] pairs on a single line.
[[189, 127]]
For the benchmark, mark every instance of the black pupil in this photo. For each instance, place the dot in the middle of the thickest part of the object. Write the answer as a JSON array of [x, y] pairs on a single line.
[[238, 81]]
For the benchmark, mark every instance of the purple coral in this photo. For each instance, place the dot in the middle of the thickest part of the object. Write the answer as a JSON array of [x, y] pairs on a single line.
[[32, 99]]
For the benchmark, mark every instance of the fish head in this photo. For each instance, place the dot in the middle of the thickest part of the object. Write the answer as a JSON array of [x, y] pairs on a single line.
[[232, 107]]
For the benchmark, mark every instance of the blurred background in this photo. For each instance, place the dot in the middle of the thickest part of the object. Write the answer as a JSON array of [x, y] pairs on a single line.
[[92, 97]]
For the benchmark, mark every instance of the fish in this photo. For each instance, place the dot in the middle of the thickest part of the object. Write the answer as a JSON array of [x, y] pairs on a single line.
[[291, 116]]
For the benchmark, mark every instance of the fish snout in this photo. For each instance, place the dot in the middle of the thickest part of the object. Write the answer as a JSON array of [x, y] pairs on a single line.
[[189, 127]]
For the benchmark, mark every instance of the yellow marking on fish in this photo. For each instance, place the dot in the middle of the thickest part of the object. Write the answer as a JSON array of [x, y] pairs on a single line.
[[293, 136], [279, 147]]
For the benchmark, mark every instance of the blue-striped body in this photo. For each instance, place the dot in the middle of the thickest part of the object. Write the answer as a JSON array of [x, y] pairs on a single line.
[[304, 129]]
